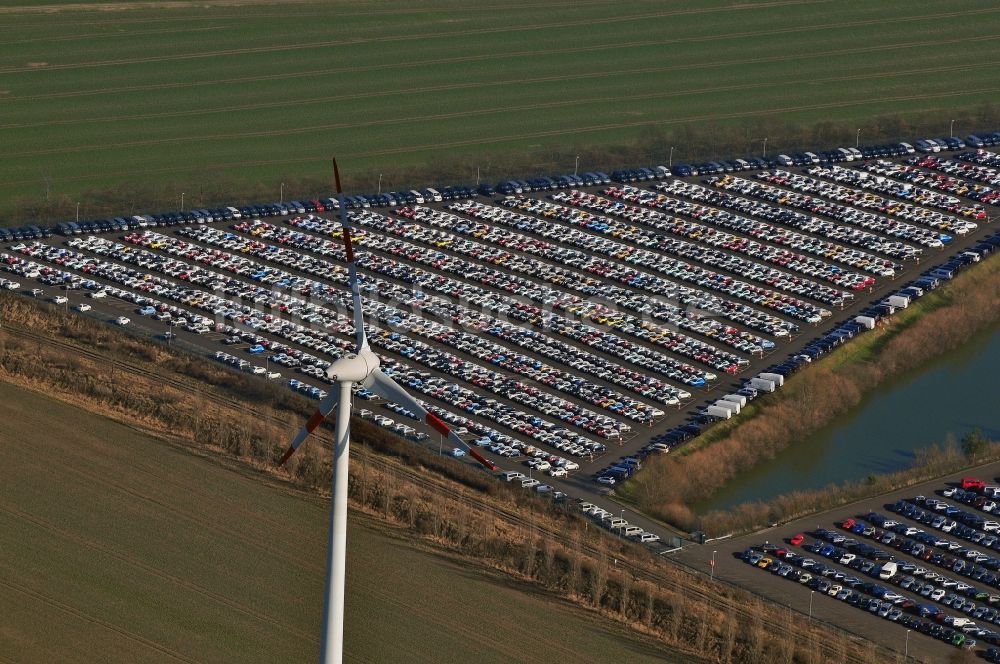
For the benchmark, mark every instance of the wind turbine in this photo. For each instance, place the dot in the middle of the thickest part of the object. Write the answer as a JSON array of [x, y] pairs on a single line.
[[361, 367]]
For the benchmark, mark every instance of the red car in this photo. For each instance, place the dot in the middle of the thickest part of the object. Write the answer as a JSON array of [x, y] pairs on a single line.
[[847, 525], [797, 539], [973, 484]]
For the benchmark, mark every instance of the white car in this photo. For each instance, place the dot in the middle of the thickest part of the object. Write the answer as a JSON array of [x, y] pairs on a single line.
[[529, 482], [649, 537], [83, 306], [557, 472], [97, 294], [259, 371], [122, 320], [60, 299]]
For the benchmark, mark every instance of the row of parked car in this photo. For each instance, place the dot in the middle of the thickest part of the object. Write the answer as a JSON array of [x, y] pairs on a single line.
[[846, 207], [552, 272], [970, 601], [732, 244], [904, 181], [391, 316], [620, 265], [321, 341], [853, 590], [247, 316], [463, 314], [653, 248], [893, 202], [657, 208], [579, 304], [964, 166], [426, 310]]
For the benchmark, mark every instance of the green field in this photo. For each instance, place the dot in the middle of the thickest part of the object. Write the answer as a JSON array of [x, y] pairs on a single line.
[[153, 99], [118, 547]]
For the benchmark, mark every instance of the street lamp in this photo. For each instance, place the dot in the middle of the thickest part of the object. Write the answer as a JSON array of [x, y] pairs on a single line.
[[379, 184], [811, 593], [78, 210], [576, 166], [857, 139], [765, 147], [182, 201], [712, 575], [951, 130], [670, 159], [906, 646], [281, 195]]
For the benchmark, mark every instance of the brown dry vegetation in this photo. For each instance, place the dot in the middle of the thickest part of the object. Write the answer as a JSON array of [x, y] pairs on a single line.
[[941, 321], [476, 517]]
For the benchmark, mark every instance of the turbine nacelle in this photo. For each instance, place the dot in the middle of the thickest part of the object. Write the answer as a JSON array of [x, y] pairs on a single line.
[[354, 367]]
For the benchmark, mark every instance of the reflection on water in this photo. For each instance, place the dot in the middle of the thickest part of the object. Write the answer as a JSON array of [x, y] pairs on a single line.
[[951, 396]]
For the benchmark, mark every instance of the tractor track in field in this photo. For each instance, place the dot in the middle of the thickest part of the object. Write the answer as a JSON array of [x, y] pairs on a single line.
[[256, 50], [494, 110], [469, 142], [138, 563], [775, 623], [512, 54], [63, 607]]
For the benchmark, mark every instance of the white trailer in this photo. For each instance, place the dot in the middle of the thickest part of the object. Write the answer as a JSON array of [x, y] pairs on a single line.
[[899, 301], [762, 384], [775, 378], [719, 411], [736, 398], [867, 321], [731, 405]]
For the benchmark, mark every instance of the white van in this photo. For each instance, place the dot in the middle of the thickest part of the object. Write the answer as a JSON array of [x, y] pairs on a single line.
[[632, 531], [888, 571]]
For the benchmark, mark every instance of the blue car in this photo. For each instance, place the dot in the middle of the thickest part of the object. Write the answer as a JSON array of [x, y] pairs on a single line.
[[256, 349]]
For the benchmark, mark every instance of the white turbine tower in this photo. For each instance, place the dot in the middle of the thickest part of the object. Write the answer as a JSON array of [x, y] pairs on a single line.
[[361, 367]]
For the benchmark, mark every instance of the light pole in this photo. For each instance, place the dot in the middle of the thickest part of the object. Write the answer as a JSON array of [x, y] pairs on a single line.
[[182, 201], [857, 139], [670, 159], [379, 185], [78, 210], [576, 166], [906, 646], [811, 593], [765, 148], [951, 130], [712, 575], [281, 195]]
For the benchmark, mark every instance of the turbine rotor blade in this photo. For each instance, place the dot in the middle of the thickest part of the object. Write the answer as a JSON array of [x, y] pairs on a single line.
[[327, 405], [352, 267], [390, 390]]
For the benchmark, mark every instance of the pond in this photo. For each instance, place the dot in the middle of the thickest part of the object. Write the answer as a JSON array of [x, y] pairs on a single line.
[[951, 396]]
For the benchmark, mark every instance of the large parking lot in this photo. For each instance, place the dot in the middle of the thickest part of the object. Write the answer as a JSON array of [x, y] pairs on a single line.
[[925, 558], [568, 325]]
